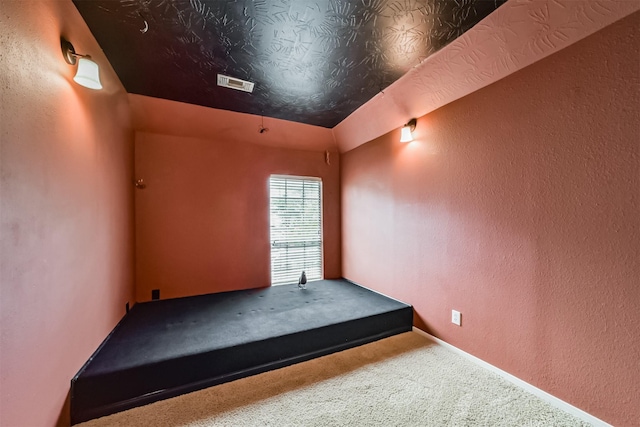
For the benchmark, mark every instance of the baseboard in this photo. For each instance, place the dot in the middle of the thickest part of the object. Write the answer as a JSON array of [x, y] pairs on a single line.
[[375, 292], [549, 398]]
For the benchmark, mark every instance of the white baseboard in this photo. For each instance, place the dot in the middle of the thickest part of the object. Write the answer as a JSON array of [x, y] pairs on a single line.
[[550, 399]]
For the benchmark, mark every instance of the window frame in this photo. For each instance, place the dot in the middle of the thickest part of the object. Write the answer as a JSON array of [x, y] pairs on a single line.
[[285, 177]]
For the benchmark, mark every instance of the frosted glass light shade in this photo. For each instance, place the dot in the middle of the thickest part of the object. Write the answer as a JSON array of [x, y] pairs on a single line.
[[405, 135], [88, 74]]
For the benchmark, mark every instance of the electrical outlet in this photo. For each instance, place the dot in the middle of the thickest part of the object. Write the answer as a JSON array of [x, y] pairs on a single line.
[[455, 317]]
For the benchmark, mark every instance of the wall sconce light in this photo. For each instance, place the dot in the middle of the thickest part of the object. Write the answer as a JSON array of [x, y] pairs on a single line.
[[406, 135], [88, 74]]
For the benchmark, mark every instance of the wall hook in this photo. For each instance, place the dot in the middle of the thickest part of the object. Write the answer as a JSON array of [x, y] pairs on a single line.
[[146, 24], [140, 185], [262, 128]]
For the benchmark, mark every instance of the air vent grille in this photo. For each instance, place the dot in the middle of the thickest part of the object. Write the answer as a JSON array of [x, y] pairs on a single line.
[[233, 83]]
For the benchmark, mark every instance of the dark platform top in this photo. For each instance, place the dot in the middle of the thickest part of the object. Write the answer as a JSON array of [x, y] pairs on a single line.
[[161, 330]]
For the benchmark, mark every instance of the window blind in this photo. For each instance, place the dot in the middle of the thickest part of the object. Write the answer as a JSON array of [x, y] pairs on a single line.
[[296, 228]]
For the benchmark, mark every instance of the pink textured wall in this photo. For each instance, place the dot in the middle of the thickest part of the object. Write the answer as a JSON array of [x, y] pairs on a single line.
[[519, 205], [66, 210], [154, 115], [202, 222]]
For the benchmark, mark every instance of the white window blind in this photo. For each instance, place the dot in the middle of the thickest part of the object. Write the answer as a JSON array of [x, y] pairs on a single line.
[[296, 228]]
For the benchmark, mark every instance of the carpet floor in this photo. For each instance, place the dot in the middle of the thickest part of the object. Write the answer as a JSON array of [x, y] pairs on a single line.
[[404, 380]]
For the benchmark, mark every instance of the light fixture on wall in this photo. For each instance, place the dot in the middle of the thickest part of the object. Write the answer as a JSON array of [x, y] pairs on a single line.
[[88, 74], [406, 135]]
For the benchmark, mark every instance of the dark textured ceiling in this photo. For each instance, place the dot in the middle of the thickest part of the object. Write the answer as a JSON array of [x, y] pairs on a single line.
[[313, 62]]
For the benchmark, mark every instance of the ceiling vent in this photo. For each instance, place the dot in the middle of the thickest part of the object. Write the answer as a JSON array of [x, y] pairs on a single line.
[[232, 83]]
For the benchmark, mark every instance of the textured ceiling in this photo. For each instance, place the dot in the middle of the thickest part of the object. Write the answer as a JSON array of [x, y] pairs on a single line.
[[313, 62]]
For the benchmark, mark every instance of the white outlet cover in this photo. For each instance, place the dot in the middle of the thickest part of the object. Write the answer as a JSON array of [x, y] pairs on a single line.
[[456, 317]]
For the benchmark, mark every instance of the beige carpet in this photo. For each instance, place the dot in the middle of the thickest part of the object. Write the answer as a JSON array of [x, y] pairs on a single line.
[[405, 380]]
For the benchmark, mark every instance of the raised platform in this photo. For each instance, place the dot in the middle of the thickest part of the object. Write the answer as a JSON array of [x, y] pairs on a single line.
[[165, 348]]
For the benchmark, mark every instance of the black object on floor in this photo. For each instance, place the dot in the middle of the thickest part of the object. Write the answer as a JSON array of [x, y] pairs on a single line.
[[166, 348]]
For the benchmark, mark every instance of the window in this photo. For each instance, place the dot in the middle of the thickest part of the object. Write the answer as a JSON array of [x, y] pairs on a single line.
[[296, 228]]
